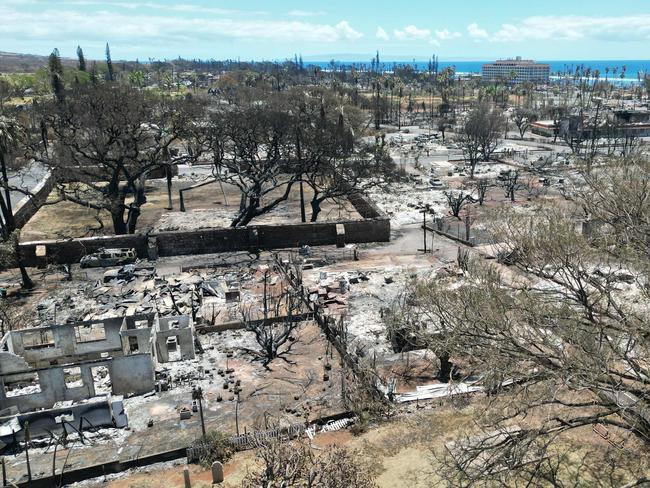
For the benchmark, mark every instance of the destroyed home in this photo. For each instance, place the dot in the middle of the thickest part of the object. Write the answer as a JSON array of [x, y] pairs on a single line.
[[306, 273], [43, 368]]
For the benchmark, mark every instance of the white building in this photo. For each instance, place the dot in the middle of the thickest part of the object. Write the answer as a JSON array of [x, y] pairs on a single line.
[[516, 71]]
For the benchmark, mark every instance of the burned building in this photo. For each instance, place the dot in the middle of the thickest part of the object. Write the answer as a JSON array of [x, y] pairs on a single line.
[[58, 372]]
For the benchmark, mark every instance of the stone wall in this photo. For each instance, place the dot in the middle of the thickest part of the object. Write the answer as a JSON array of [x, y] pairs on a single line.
[[132, 374], [72, 250], [374, 227], [101, 412], [364, 206]]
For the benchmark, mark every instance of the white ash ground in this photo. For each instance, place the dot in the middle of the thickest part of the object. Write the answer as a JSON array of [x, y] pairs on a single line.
[[365, 299]]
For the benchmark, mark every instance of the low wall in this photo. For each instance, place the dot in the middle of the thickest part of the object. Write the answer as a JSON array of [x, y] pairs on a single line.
[[208, 241], [72, 250], [75, 475], [374, 227], [42, 423], [364, 206], [450, 236]]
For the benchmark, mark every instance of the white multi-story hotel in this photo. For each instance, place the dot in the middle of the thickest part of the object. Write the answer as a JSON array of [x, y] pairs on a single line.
[[516, 71]]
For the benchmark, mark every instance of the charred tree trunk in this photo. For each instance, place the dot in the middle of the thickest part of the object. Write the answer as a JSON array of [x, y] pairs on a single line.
[[119, 226], [27, 282], [7, 211], [315, 209], [168, 174], [444, 374], [134, 210]]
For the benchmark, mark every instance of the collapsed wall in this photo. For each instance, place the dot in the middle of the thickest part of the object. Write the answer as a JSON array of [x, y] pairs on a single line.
[[75, 382], [42, 366]]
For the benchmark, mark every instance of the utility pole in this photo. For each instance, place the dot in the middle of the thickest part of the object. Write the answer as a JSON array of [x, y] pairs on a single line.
[[237, 414], [168, 175], [424, 211], [27, 440], [424, 228], [197, 394]]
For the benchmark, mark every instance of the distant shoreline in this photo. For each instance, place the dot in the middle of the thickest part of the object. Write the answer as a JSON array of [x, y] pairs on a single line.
[[634, 66]]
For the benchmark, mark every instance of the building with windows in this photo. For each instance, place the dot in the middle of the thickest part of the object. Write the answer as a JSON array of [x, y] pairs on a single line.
[[516, 71]]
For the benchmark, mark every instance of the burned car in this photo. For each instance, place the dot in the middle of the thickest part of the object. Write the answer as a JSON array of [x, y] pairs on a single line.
[[108, 257]]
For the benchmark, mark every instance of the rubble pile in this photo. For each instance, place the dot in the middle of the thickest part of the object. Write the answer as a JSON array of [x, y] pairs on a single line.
[[211, 295]]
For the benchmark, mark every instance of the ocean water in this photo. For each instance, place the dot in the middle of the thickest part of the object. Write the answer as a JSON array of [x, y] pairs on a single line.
[[634, 68]]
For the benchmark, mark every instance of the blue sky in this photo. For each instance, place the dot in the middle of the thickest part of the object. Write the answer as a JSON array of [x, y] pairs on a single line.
[[276, 29]]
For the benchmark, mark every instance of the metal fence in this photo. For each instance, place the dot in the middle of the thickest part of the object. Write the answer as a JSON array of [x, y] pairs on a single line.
[[250, 440]]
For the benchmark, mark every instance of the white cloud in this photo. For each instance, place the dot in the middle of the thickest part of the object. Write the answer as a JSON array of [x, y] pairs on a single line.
[[475, 32], [178, 7], [412, 33], [446, 35], [382, 34], [306, 13], [574, 27], [345, 31], [59, 27]]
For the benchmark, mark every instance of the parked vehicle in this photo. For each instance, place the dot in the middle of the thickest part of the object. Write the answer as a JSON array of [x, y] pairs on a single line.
[[108, 257]]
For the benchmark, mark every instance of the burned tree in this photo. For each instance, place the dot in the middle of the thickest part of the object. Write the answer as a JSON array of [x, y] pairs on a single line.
[[561, 345], [481, 187], [10, 257], [457, 201], [329, 158], [479, 135], [491, 126], [523, 119], [410, 325], [253, 148], [275, 323], [285, 463], [344, 175], [104, 140], [12, 138], [510, 183], [470, 143]]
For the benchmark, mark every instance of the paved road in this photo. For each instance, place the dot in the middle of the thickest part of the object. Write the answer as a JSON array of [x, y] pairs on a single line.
[[26, 179]]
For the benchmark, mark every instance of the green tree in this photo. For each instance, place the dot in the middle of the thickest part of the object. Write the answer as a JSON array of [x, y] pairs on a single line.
[[93, 73], [82, 60], [136, 78], [110, 75], [6, 87], [56, 74]]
